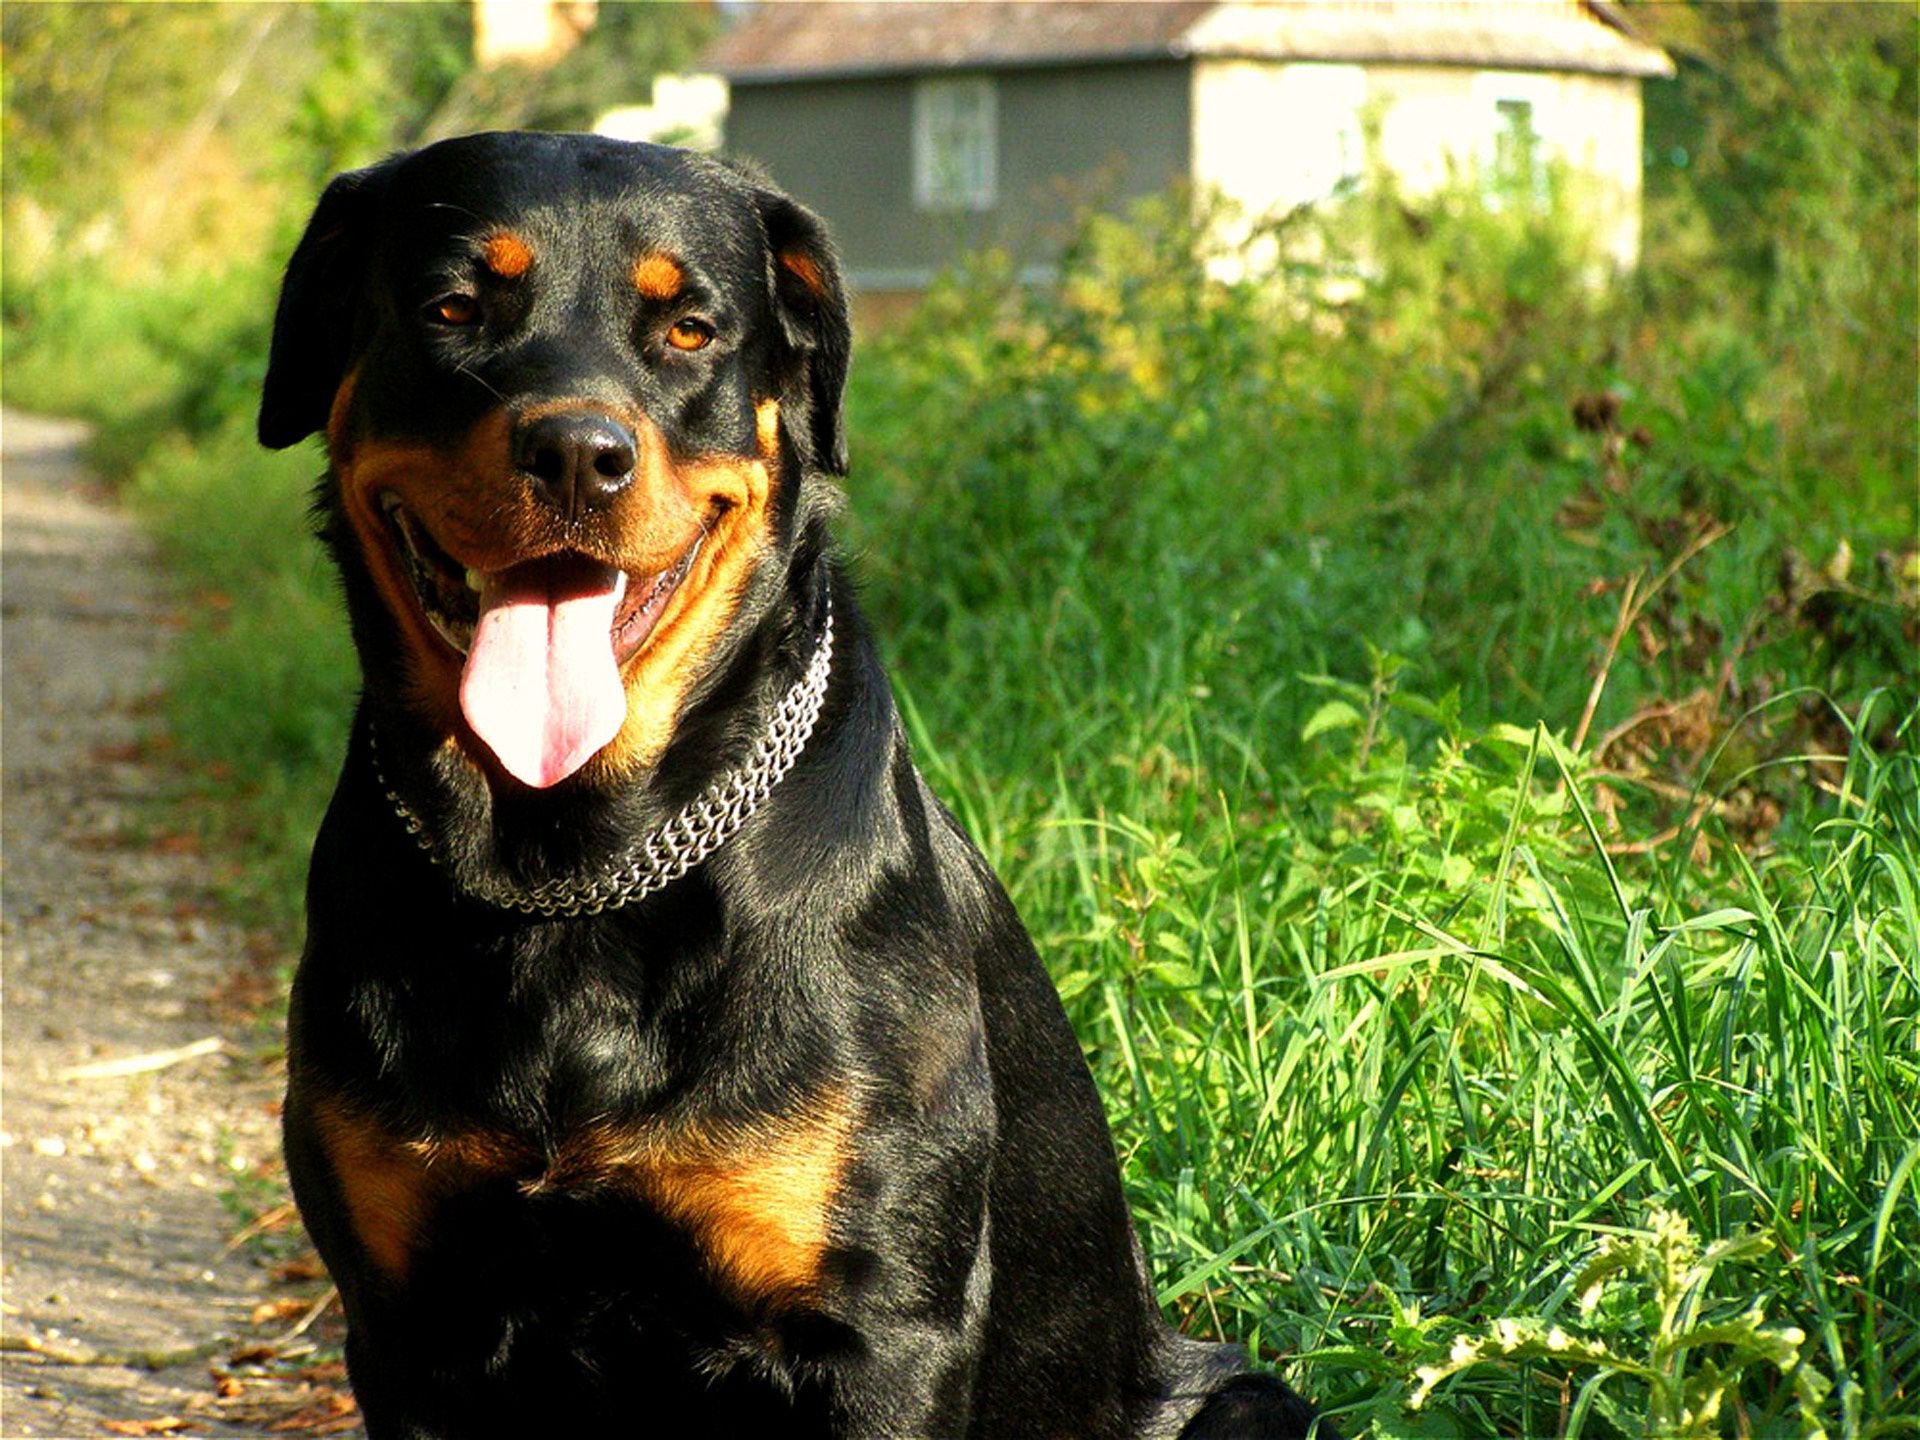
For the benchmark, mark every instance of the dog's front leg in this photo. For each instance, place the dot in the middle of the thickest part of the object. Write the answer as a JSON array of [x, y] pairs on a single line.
[[916, 1279], [914, 1374]]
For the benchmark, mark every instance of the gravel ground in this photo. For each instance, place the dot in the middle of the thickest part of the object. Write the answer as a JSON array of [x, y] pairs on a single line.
[[125, 1304]]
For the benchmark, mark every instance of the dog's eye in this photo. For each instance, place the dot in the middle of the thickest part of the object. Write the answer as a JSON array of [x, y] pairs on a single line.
[[454, 310], [690, 334]]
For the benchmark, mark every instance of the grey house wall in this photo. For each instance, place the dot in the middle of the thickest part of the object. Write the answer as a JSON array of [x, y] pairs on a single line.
[[845, 148]]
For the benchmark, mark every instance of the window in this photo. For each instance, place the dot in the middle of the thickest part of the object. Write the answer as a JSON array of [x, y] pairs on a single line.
[[1514, 147], [954, 142], [1511, 156]]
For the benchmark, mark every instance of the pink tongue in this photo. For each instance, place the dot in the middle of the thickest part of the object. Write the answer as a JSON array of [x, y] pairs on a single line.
[[541, 687]]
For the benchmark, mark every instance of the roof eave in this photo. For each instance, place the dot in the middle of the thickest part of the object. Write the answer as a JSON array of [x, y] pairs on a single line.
[[1656, 65], [888, 70], [1651, 66]]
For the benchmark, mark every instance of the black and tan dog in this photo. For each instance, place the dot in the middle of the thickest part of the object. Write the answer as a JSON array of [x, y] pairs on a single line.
[[664, 1061]]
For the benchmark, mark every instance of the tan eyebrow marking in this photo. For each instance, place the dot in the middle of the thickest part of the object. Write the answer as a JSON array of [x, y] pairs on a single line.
[[507, 255], [658, 277]]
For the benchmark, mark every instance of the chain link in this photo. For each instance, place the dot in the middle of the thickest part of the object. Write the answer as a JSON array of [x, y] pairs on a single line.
[[700, 827]]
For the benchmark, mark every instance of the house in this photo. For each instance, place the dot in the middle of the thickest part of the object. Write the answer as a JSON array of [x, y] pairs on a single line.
[[920, 129]]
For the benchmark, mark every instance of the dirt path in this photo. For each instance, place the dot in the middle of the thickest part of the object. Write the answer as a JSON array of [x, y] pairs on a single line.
[[121, 1293]]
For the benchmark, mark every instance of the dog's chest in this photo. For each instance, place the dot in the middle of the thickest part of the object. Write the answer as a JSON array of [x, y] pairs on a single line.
[[745, 1207]]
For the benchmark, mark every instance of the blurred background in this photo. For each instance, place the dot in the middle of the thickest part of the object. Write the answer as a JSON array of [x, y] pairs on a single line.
[[1393, 523]]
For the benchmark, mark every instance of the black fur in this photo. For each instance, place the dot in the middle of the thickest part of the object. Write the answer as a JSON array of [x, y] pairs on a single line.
[[848, 947]]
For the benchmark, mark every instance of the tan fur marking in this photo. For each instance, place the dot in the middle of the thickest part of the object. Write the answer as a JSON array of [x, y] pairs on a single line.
[[341, 408], [766, 428], [658, 277], [762, 1211], [391, 1186], [457, 494], [658, 675], [384, 1187], [756, 1200], [507, 255], [802, 267]]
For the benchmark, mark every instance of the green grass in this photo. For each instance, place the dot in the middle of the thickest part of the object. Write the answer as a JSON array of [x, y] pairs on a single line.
[[1252, 631], [262, 679], [1435, 1059]]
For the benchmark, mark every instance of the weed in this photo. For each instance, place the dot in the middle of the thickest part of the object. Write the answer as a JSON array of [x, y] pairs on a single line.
[[1642, 1296]]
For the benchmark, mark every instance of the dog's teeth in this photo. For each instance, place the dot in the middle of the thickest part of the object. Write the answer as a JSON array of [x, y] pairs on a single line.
[[474, 579], [457, 633]]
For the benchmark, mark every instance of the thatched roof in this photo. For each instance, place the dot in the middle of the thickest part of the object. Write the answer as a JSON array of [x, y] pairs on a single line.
[[825, 39]]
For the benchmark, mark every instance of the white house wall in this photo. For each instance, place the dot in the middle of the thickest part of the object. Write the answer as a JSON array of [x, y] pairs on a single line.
[[1274, 135]]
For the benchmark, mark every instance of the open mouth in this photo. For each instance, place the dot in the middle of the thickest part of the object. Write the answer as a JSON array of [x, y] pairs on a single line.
[[452, 595]]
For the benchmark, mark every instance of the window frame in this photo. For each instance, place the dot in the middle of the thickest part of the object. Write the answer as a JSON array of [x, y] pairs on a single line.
[[956, 142]]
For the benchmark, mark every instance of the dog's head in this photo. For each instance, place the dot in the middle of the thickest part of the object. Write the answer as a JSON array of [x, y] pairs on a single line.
[[572, 389]]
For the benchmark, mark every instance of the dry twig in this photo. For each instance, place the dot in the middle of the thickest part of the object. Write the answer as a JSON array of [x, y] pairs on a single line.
[[142, 1064]]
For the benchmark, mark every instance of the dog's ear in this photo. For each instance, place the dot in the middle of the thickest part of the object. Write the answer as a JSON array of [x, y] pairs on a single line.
[[313, 326], [811, 305]]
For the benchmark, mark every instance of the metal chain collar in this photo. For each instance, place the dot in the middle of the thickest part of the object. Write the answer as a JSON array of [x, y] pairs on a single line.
[[701, 827]]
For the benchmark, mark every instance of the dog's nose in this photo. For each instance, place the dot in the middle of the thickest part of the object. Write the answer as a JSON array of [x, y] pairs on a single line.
[[578, 461]]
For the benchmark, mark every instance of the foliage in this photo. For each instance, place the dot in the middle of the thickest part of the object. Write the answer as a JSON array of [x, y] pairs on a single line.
[[1408, 1031], [1138, 435], [131, 158], [1782, 191]]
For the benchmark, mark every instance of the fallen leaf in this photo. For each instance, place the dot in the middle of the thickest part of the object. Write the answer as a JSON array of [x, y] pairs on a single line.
[[329, 1416], [307, 1267], [271, 1310], [165, 1425]]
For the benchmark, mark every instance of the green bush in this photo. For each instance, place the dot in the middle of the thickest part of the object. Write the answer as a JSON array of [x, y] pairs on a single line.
[[1154, 485]]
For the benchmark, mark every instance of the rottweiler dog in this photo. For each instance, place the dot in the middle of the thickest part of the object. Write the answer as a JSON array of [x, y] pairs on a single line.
[[663, 1060]]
